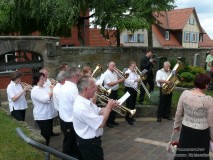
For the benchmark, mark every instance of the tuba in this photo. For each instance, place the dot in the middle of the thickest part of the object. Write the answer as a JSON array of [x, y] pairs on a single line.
[[122, 110], [173, 77]]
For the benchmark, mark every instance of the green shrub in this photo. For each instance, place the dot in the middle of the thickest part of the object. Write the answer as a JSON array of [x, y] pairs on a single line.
[[187, 76]]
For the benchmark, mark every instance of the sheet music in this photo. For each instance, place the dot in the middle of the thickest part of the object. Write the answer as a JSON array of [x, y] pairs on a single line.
[[144, 71], [123, 98]]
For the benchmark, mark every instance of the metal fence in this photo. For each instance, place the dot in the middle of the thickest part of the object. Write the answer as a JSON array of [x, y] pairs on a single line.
[[47, 150]]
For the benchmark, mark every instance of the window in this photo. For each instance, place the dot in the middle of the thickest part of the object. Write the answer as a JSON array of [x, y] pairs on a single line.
[[6, 58], [131, 38], [186, 36], [191, 21], [194, 37], [167, 35], [140, 38]]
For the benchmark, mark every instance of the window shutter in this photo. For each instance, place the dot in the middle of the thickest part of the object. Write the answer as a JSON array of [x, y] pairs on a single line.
[[197, 37], [190, 36], [184, 36], [135, 38], [141, 38], [125, 38]]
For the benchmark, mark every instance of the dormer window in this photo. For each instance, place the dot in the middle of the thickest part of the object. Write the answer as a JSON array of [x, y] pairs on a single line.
[[167, 35], [191, 21]]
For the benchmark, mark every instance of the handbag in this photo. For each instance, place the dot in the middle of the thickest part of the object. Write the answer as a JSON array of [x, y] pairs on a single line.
[[172, 145], [211, 146]]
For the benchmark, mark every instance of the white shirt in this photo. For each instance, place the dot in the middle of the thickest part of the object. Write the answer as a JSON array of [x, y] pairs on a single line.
[[86, 118], [56, 93], [109, 77], [67, 96], [12, 90], [129, 82], [161, 75], [42, 104]]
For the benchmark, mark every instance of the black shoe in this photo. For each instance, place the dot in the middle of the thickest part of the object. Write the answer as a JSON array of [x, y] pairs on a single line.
[[130, 122], [54, 134], [133, 119], [109, 125], [115, 123], [159, 120]]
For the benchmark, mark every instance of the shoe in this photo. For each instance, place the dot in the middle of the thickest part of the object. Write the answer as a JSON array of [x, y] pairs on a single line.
[[55, 134], [109, 125], [115, 123], [159, 120], [133, 119], [129, 121], [168, 118]]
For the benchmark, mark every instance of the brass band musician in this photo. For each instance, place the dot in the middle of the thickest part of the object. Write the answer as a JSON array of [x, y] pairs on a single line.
[[111, 81], [131, 83], [16, 97], [164, 108]]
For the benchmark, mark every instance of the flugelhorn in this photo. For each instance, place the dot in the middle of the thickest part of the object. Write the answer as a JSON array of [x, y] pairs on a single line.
[[120, 109], [103, 90], [53, 81], [97, 69], [25, 85]]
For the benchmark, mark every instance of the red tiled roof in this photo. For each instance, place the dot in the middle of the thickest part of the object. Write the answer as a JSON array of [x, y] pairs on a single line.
[[207, 42], [172, 42], [174, 19]]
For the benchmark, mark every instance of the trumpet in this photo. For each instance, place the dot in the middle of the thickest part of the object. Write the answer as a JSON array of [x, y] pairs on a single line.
[[137, 71], [25, 85], [122, 110], [53, 81]]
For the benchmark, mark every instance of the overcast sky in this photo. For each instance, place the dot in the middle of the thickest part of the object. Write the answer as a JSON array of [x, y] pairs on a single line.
[[204, 9]]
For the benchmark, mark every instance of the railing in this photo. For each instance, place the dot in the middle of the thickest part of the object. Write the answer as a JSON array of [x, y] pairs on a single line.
[[44, 148]]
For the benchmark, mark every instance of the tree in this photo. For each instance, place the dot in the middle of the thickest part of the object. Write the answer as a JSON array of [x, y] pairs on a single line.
[[57, 17], [129, 14]]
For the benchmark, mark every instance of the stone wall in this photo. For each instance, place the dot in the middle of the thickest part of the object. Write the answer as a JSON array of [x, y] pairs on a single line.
[[122, 55]]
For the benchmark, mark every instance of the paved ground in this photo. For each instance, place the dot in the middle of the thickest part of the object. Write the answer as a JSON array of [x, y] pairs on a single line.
[[145, 140]]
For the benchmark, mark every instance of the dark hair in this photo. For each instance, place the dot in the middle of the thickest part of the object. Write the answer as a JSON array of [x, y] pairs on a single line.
[[201, 80], [36, 78], [86, 70], [148, 50], [15, 75]]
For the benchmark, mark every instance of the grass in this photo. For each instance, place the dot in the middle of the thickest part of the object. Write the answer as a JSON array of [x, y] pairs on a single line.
[[12, 146]]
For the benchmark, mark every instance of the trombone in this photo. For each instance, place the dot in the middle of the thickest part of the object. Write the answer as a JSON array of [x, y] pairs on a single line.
[[142, 77], [124, 76], [122, 110]]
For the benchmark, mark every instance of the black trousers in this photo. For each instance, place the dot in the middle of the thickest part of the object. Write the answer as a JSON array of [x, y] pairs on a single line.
[[46, 127], [69, 143], [150, 81], [131, 100], [19, 115], [91, 148], [164, 107], [112, 115]]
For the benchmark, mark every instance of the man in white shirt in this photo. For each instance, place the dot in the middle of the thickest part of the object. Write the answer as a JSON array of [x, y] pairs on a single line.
[[56, 90], [89, 120], [164, 107], [111, 81], [131, 84], [67, 96]]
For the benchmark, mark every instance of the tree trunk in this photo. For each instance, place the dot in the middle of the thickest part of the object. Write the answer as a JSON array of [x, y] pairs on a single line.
[[118, 38], [150, 41]]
